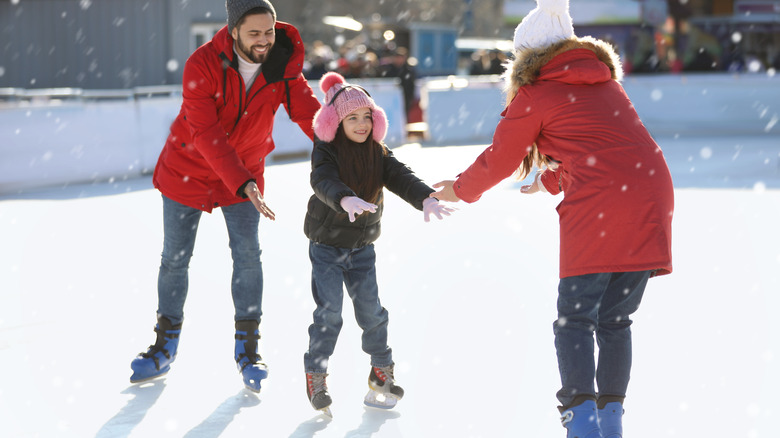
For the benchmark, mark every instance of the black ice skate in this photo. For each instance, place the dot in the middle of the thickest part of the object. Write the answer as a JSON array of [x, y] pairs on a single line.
[[317, 391], [383, 393]]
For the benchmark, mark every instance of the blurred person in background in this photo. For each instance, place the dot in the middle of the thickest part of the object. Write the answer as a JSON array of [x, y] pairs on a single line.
[[400, 67]]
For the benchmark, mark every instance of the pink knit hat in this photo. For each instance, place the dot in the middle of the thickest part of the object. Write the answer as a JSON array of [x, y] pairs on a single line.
[[340, 100]]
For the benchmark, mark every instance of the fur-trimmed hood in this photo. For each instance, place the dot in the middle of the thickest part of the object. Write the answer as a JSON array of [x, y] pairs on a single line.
[[527, 65]]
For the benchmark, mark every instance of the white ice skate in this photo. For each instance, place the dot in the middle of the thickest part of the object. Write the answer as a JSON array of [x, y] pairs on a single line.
[[380, 400]]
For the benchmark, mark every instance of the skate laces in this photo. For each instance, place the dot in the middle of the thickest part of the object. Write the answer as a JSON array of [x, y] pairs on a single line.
[[384, 374], [316, 382]]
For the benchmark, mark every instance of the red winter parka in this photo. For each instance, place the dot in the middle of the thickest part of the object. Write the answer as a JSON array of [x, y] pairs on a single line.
[[222, 134], [616, 212]]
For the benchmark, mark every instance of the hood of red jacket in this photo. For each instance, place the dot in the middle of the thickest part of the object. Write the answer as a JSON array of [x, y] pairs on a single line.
[[576, 61], [578, 67]]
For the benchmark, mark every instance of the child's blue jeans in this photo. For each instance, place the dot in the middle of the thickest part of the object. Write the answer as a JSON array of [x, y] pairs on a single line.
[[600, 303], [332, 269]]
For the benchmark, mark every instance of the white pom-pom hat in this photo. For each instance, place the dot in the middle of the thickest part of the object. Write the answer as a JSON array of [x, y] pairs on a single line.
[[340, 100], [546, 24]]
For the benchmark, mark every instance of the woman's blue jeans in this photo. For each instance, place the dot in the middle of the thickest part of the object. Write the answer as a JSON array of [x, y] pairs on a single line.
[[180, 226], [600, 303], [332, 269]]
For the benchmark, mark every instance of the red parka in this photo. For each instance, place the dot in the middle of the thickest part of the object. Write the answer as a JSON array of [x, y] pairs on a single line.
[[616, 212], [222, 134]]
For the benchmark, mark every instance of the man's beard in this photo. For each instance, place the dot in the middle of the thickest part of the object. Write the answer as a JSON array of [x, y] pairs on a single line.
[[249, 53]]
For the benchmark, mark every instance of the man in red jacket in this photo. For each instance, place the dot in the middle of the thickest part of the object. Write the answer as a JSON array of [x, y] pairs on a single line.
[[215, 157]]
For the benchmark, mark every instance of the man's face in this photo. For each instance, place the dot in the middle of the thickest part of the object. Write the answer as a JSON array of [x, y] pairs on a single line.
[[255, 36]]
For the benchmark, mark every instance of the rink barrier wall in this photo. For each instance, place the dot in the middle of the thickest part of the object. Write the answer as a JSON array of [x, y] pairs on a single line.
[[62, 136], [460, 109], [66, 136]]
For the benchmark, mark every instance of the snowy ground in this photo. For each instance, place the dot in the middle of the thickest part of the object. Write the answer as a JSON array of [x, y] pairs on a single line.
[[471, 301]]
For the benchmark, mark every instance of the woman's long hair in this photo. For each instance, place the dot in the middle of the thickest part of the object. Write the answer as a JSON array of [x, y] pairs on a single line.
[[533, 157], [360, 164]]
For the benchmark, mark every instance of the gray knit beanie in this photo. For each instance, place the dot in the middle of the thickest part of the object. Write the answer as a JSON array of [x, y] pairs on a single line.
[[237, 8]]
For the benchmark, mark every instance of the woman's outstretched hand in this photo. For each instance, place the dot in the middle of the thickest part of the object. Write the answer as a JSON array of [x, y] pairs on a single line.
[[536, 186], [530, 189], [446, 193]]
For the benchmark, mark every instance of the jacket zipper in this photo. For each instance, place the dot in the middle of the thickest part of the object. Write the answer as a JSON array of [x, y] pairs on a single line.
[[250, 98], [241, 108]]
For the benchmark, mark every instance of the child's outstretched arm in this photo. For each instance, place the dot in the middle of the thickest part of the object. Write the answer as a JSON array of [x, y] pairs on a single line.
[[401, 180]]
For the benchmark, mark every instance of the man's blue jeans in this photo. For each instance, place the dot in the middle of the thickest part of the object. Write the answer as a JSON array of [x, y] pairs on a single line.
[[332, 269], [180, 226], [600, 303]]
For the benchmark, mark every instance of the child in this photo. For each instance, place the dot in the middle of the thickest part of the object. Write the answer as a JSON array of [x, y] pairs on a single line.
[[350, 166], [567, 113]]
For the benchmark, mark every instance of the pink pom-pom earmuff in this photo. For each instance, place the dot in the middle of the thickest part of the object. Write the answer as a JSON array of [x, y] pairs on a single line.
[[330, 79]]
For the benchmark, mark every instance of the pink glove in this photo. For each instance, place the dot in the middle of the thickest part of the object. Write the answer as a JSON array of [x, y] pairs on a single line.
[[432, 206], [355, 206]]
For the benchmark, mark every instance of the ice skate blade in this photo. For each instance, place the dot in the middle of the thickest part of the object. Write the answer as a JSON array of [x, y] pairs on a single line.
[[253, 378], [134, 379], [326, 412], [146, 379], [379, 400], [252, 388]]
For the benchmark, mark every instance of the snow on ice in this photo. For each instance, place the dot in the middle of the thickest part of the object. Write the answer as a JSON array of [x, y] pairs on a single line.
[[471, 301]]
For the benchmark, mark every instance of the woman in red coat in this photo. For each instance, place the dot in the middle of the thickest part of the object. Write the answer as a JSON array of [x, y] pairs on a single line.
[[568, 115]]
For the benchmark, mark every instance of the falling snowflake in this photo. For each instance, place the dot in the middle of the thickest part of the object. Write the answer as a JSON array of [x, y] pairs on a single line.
[[172, 65], [772, 122], [754, 66]]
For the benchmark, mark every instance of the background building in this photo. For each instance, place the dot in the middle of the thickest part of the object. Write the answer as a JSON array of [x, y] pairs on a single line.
[[115, 44], [120, 43]]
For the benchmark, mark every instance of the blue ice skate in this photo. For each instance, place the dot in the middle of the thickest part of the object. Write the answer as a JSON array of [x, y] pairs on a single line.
[[611, 420], [156, 361], [581, 421], [248, 361]]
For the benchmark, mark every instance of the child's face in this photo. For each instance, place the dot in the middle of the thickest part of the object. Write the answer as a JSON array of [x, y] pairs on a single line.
[[358, 124]]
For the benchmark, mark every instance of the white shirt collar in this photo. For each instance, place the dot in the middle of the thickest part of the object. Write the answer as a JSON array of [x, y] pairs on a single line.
[[248, 70]]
